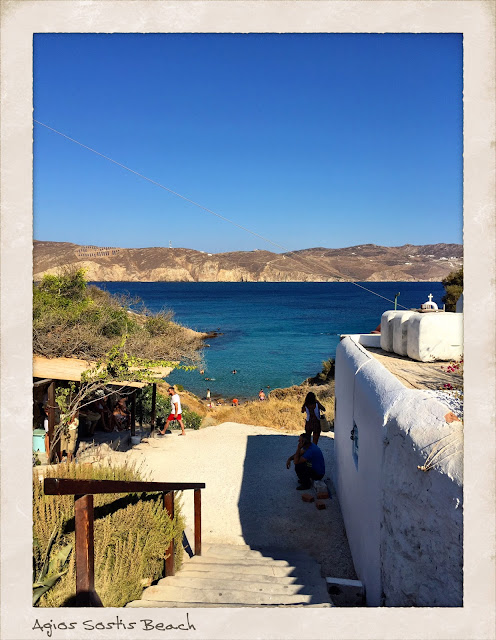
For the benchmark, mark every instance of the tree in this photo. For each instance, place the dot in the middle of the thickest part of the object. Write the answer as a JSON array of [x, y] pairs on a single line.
[[453, 284]]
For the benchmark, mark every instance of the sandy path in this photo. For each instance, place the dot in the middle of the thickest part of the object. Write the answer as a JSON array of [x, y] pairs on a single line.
[[250, 496]]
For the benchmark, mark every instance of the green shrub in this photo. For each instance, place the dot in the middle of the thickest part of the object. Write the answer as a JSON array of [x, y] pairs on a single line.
[[71, 318], [158, 323], [453, 284], [131, 535], [162, 405], [191, 419]]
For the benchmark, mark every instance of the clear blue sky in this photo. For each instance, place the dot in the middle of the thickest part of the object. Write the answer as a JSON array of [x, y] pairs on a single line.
[[308, 139]]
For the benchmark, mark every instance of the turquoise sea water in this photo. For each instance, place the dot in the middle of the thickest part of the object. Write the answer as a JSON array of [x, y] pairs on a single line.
[[274, 334]]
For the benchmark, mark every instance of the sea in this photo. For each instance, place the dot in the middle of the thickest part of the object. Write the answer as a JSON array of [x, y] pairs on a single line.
[[273, 334]]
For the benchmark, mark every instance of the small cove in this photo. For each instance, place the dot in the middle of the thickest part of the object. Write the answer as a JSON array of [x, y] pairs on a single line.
[[273, 334]]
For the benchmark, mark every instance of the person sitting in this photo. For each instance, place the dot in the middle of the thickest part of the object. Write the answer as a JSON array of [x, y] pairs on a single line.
[[308, 461], [261, 395], [95, 413], [121, 415]]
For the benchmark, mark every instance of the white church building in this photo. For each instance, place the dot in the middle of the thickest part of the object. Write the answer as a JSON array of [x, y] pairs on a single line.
[[399, 459]]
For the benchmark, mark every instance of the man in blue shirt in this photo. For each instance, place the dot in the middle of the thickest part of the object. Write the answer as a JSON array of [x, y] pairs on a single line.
[[308, 461]]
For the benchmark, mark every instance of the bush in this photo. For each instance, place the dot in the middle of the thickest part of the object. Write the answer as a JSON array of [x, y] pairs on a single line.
[[162, 405], [191, 419], [158, 323], [131, 536], [453, 284], [71, 318]]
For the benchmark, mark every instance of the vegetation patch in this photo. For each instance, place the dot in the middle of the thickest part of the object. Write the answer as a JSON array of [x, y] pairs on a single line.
[[131, 535], [453, 284], [72, 318], [191, 419]]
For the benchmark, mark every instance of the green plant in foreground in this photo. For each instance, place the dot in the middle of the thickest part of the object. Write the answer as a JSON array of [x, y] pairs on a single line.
[[131, 533], [51, 571]]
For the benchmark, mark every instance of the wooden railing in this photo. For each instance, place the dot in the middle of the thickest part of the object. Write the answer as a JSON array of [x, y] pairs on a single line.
[[83, 491]]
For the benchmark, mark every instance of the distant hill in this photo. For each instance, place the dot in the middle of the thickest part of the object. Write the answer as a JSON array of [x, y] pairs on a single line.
[[363, 262]]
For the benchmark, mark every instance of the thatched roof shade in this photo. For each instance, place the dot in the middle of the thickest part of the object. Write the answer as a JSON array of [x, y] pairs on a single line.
[[72, 368]]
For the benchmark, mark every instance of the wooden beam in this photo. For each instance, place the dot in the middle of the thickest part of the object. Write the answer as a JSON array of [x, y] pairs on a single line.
[[197, 508], [85, 552], [140, 409], [169, 560], [41, 383], [133, 413], [51, 418], [154, 407], [69, 487]]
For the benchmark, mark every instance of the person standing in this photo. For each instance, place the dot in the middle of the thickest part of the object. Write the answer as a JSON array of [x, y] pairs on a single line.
[[261, 395], [308, 461], [69, 436], [312, 408], [175, 413]]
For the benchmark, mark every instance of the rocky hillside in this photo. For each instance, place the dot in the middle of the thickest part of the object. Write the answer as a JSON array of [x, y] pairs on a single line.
[[363, 262]]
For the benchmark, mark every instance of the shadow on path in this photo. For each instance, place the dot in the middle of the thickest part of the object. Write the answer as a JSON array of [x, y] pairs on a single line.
[[273, 515]]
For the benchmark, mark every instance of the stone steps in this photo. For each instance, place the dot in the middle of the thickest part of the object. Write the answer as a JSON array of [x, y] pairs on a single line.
[[152, 604], [237, 576]]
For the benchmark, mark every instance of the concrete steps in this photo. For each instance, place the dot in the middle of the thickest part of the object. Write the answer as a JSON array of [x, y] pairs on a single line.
[[237, 576]]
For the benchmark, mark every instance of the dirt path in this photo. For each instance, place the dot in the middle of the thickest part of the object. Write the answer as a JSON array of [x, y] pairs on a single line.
[[250, 496]]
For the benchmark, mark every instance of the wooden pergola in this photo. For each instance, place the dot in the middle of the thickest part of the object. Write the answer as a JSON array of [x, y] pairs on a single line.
[[49, 370]]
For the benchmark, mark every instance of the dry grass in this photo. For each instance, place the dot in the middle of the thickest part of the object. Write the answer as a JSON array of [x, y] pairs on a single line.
[[281, 411]]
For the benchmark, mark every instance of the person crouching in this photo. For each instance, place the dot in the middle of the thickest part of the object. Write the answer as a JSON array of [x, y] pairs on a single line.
[[308, 461]]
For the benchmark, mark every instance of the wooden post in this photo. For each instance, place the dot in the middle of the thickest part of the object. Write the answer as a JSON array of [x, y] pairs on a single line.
[[140, 408], [85, 552], [51, 418], [197, 501], [133, 413], [154, 407], [169, 561]]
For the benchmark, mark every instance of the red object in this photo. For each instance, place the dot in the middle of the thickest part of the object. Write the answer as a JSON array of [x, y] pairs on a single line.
[[377, 329]]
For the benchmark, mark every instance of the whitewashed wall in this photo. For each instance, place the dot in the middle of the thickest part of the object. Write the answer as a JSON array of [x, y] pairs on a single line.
[[363, 394], [397, 517], [422, 518]]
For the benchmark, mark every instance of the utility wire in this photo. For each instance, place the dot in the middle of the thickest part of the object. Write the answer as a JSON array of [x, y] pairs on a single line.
[[253, 233], [158, 184]]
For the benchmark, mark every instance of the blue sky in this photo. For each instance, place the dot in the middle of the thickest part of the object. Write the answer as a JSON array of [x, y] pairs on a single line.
[[307, 139]]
